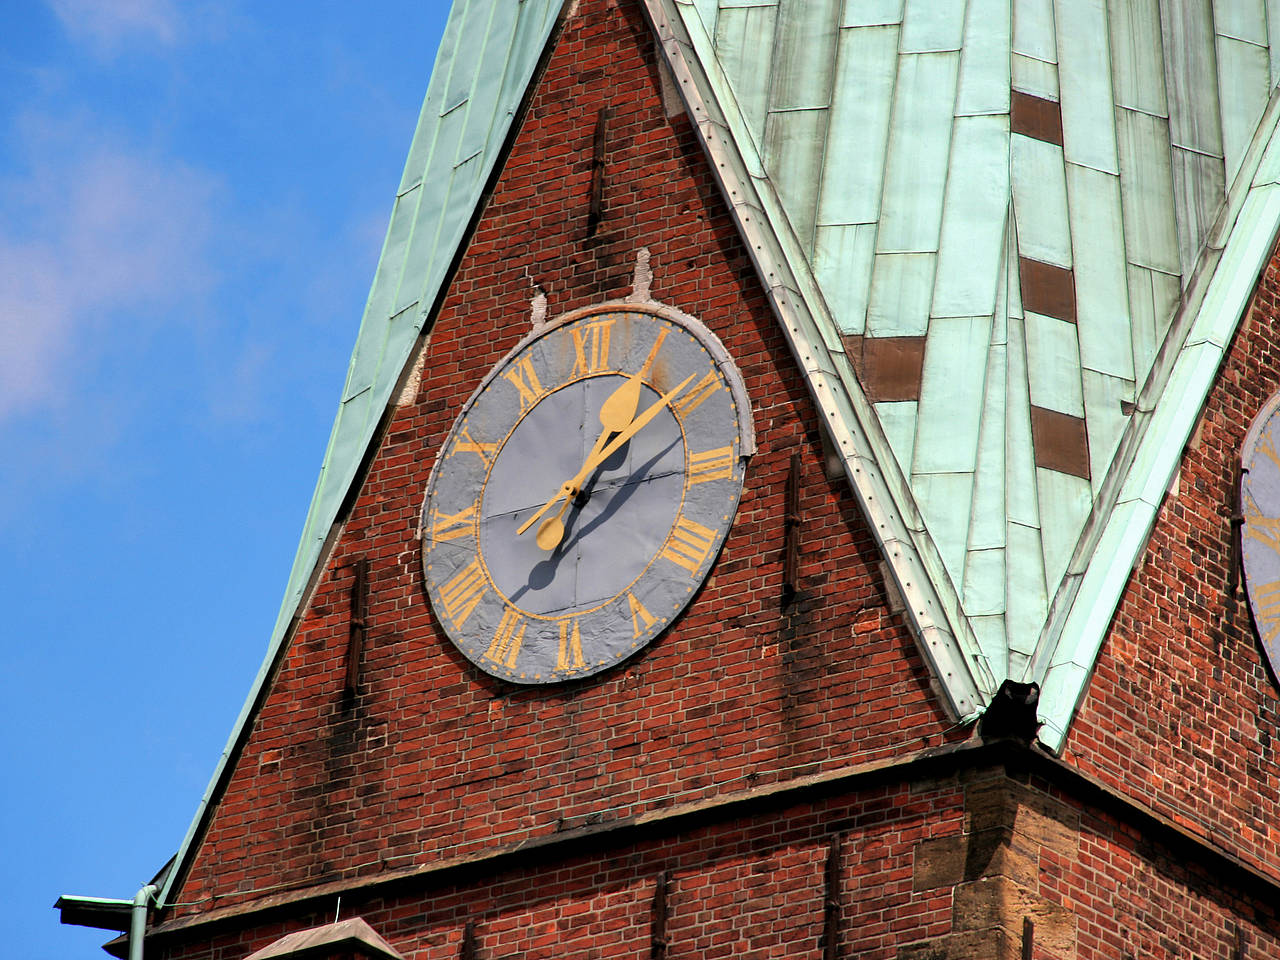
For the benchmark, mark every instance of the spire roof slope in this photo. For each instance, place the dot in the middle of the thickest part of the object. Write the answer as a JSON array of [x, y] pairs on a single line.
[[487, 58], [1003, 219]]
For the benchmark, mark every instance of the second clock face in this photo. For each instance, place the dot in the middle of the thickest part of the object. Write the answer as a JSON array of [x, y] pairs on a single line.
[[584, 492]]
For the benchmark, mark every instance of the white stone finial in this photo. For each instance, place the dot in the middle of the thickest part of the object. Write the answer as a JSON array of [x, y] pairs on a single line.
[[538, 307], [642, 279]]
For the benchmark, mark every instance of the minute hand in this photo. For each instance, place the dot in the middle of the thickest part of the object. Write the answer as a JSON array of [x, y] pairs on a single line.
[[629, 431], [603, 452]]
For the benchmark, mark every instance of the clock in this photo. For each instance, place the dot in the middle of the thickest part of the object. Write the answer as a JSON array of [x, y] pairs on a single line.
[[1260, 531], [584, 492]]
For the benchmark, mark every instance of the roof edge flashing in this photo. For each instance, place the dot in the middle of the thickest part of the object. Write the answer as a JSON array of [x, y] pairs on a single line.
[[1171, 404], [326, 514], [942, 632]]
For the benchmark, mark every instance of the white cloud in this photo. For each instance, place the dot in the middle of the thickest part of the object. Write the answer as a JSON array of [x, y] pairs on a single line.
[[107, 25], [100, 239]]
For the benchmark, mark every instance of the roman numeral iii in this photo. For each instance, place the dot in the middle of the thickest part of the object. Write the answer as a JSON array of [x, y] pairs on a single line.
[[714, 464]]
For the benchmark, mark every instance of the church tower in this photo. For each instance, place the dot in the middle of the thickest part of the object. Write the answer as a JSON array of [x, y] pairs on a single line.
[[793, 495]]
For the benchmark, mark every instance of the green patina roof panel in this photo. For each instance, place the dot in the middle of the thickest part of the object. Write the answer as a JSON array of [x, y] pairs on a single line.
[[853, 173], [1118, 201]]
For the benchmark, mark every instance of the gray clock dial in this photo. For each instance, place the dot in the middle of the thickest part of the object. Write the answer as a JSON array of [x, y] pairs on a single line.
[[1260, 534], [584, 492]]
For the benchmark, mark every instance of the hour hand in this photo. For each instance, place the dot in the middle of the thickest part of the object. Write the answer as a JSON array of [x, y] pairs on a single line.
[[552, 530], [617, 411]]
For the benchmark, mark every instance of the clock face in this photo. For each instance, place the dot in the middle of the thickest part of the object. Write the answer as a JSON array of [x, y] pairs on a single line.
[[584, 492], [1260, 535]]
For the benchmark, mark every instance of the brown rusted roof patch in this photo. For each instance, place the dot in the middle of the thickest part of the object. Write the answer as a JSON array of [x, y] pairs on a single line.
[[889, 368], [1060, 442]]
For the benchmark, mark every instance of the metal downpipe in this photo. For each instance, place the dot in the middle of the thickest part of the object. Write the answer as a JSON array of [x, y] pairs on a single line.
[[138, 920]]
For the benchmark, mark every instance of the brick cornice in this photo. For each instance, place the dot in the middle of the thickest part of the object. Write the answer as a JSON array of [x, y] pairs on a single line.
[[1017, 760]]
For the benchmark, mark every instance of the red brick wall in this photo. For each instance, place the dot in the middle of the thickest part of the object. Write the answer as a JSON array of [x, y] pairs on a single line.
[[434, 758], [943, 869], [1182, 713], [752, 889]]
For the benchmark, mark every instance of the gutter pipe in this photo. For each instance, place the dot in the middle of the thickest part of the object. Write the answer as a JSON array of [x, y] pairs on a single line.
[[138, 919]]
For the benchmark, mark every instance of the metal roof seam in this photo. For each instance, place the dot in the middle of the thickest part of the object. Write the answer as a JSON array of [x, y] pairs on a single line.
[[1174, 396]]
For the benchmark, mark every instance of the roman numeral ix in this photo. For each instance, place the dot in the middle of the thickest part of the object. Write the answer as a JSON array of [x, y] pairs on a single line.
[[461, 594], [451, 526]]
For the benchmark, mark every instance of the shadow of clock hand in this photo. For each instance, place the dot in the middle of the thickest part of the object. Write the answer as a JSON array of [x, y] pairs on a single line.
[[544, 572], [618, 500]]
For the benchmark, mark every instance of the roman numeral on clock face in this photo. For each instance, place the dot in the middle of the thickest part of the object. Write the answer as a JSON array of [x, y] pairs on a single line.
[[524, 379], [653, 352], [714, 464], [1265, 530], [463, 591], [1267, 599], [688, 545], [451, 526], [467, 444], [641, 619], [569, 653], [506, 641], [693, 397], [591, 347]]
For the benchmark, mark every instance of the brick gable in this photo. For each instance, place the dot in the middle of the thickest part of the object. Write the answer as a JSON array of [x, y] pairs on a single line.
[[433, 759], [1182, 713]]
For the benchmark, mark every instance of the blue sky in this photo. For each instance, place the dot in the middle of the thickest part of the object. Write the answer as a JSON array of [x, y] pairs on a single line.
[[192, 200]]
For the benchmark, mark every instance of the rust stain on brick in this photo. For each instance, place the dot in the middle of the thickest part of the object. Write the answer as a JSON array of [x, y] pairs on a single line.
[[1047, 289], [1060, 442], [889, 368], [1036, 117]]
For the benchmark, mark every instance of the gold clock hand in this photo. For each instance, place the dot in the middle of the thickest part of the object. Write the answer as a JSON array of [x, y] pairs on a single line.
[[629, 431], [551, 532], [618, 410]]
